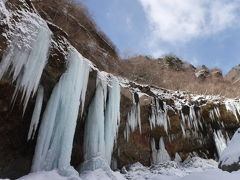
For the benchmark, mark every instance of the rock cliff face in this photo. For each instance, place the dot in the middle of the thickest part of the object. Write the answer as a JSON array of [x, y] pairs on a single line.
[[155, 123]]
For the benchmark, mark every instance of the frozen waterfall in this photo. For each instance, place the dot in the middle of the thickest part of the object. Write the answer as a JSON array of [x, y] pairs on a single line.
[[55, 138], [102, 124]]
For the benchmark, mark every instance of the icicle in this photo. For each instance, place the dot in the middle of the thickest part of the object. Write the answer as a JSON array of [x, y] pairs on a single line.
[[101, 126], [214, 114], [220, 141], [233, 106], [26, 64], [191, 120], [133, 119], [194, 120], [161, 155], [211, 115], [217, 112], [55, 139], [182, 122], [36, 113], [159, 116]]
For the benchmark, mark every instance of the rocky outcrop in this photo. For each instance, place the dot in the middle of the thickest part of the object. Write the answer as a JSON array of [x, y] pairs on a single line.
[[203, 73], [187, 124], [234, 75]]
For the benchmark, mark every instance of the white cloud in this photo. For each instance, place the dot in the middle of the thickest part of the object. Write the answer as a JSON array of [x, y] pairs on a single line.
[[176, 21]]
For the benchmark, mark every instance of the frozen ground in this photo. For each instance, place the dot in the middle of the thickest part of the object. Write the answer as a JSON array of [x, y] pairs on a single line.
[[192, 169]]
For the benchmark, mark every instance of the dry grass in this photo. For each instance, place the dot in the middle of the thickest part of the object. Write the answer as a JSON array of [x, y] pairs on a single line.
[[84, 34], [74, 19], [156, 72]]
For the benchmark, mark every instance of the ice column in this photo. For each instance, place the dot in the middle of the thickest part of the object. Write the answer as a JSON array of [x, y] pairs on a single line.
[[214, 114], [101, 125], [25, 62], [159, 155], [55, 138], [112, 117]]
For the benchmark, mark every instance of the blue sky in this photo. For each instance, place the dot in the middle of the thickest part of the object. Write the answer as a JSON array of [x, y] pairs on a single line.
[[198, 31]]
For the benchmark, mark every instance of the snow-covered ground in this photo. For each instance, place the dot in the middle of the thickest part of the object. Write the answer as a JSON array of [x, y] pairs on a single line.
[[192, 169]]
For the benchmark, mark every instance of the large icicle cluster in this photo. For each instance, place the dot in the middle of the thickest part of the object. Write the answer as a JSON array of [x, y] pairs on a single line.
[[133, 118], [102, 124], [220, 141], [191, 120], [159, 155], [159, 116], [55, 138], [27, 54]]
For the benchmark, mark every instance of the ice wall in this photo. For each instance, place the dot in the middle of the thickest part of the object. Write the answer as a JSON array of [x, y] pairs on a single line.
[[102, 124], [55, 138]]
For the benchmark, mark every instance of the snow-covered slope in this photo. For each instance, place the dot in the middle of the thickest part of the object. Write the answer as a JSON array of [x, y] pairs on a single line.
[[195, 168]]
